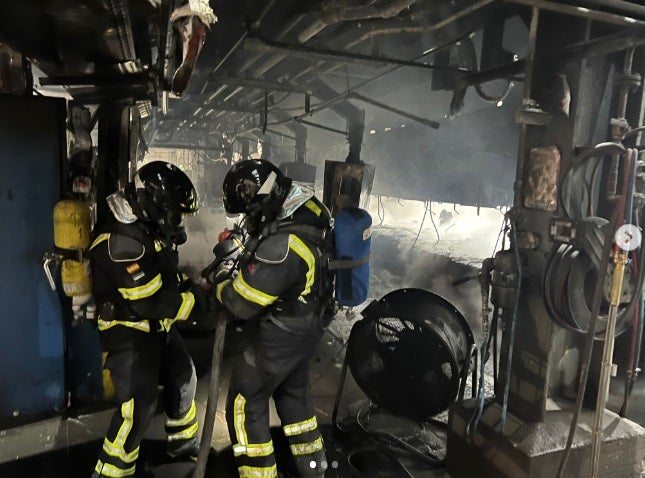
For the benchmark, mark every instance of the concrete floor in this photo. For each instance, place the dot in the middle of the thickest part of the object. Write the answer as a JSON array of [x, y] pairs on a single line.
[[79, 438]]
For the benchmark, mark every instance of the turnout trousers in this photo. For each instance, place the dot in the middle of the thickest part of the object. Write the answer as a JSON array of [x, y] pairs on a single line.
[[139, 361], [275, 363]]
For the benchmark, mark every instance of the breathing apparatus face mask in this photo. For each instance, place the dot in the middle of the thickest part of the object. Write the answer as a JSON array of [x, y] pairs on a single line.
[[163, 218], [172, 228], [253, 223]]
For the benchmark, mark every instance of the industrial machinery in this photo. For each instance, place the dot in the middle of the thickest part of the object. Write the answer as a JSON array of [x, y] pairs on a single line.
[[568, 284]]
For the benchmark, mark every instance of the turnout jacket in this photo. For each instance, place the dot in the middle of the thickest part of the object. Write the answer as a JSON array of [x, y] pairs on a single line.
[[285, 278], [136, 282]]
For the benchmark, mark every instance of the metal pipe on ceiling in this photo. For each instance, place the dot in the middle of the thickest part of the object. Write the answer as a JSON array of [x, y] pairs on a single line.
[[386, 9], [322, 126], [278, 133], [276, 58], [285, 86], [233, 93], [330, 101], [191, 146], [405, 114], [121, 14], [632, 38], [356, 4], [580, 12], [618, 5], [261, 69], [423, 28], [460, 14], [305, 52]]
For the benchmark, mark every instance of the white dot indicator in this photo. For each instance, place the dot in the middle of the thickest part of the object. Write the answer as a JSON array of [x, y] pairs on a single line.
[[334, 464], [628, 237], [312, 464]]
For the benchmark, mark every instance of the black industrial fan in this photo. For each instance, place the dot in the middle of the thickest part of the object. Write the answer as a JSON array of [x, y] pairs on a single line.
[[411, 355]]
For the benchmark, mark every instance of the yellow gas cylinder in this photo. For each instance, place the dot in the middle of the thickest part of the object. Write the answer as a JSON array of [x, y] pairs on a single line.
[[72, 230]]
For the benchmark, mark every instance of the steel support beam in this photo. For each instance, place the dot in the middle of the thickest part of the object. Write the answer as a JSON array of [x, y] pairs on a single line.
[[378, 104], [310, 53], [261, 84]]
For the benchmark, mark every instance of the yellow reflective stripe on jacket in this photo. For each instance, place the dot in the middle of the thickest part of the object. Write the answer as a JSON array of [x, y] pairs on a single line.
[[220, 288], [300, 427], [251, 294], [159, 245], [142, 325], [239, 418], [254, 450], [189, 432], [305, 253], [105, 469], [142, 291], [99, 239], [187, 304], [306, 448], [313, 207], [185, 420], [258, 471]]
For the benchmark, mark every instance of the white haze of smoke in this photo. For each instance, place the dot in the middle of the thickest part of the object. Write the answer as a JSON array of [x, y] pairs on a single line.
[[465, 235], [465, 239], [202, 230]]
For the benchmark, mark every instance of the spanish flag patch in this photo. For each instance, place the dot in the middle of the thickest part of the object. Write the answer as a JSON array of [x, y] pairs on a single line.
[[133, 268]]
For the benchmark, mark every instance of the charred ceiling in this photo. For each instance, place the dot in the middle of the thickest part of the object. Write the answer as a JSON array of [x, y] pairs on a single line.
[[284, 70]]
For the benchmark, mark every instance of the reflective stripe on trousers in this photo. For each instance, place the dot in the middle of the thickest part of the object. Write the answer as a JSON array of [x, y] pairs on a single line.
[[182, 428], [255, 460], [116, 461]]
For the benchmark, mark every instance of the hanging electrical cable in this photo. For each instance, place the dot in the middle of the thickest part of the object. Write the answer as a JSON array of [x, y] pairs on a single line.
[[380, 212], [436, 231], [425, 212]]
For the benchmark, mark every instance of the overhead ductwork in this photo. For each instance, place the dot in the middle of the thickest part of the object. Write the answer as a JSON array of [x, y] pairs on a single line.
[[339, 12]]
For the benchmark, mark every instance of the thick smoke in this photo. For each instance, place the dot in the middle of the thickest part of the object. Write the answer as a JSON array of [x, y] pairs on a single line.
[[409, 253]]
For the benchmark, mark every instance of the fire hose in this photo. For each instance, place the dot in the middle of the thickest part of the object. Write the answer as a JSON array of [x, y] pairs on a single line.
[[223, 252], [213, 395]]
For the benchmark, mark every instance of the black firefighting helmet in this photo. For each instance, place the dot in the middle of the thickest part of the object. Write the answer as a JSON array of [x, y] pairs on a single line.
[[160, 193], [257, 188]]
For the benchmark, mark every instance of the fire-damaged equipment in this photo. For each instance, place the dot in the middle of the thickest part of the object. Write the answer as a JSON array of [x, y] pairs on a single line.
[[347, 184], [411, 355]]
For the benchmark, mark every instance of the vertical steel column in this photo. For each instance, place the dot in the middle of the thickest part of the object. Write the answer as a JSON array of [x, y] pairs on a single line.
[[526, 101]]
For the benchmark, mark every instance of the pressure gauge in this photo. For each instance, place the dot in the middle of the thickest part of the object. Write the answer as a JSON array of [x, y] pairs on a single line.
[[628, 237]]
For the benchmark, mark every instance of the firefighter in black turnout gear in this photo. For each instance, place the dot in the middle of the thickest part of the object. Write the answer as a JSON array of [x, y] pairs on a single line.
[[280, 284], [139, 295]]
